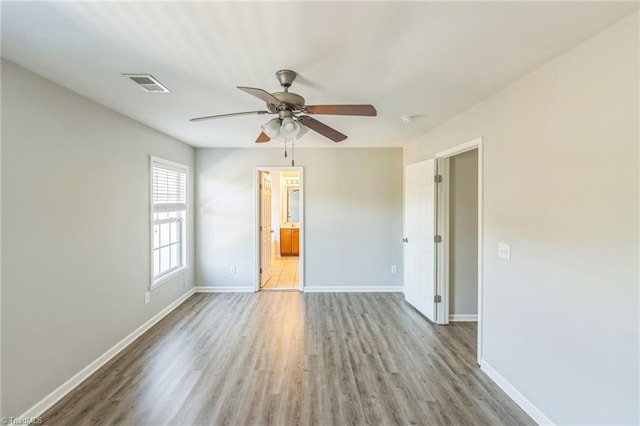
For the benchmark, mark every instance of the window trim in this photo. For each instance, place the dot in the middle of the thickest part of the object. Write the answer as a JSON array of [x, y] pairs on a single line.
[[153, 282]]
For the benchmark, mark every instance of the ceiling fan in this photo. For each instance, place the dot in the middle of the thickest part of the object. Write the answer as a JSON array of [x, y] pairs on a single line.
[[292, 112]]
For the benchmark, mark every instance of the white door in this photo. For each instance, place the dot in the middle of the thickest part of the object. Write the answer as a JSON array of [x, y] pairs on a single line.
[[419, 225], [265, 228]]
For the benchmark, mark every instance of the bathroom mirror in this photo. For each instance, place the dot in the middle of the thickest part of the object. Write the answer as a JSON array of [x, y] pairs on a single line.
[[293, 204]]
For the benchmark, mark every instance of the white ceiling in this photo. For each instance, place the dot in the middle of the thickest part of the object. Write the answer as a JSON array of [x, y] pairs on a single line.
[[433, 59]]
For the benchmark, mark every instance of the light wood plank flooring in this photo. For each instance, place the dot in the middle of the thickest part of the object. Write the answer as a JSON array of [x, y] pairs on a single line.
[[286, 358]]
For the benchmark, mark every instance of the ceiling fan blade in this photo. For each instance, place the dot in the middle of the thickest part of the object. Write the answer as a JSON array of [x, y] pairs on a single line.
[[262, 137], [321, 128], [228, 115], [262, 94], [366, 110]]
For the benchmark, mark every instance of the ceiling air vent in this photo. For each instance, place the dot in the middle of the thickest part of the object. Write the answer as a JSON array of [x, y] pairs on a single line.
[[147, 82]]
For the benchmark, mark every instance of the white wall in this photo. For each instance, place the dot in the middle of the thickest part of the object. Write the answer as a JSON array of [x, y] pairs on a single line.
[[561, 186], [75, 242], [463, 234], [353, 215], [1, 394]]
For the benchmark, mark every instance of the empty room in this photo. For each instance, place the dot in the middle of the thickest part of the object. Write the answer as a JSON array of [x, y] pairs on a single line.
[[331, 213]]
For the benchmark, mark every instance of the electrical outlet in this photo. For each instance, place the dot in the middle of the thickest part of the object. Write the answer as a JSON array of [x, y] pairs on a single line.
[[147, 297], [394, 269], [232, 269], [504, 251]]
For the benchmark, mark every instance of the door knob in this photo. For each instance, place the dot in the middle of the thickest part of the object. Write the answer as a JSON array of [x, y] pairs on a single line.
[[405, 240]]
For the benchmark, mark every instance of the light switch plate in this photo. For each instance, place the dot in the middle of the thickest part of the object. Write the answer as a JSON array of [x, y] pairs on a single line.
[[394, 269], [504, 251]]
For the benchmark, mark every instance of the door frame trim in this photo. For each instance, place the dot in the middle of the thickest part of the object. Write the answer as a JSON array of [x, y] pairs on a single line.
[[256, 222], [442, 277]]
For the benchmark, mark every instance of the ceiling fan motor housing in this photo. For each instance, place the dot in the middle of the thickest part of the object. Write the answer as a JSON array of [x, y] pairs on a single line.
[[292, 101]]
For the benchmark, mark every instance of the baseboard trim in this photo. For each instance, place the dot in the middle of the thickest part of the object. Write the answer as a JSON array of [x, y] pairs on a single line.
[[534, 412], [309, 289], [61, 391], [245, 289], [354, 289], [463, 317]]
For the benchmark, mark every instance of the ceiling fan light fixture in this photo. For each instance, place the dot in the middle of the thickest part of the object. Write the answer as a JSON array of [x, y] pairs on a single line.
[[290, 128], [272, 128]]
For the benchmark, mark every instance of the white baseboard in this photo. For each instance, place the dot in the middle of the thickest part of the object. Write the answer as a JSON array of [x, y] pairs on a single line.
[[513, 393], [61, 391], [353, 289], [463, 317], [245, 289], [309, 289]]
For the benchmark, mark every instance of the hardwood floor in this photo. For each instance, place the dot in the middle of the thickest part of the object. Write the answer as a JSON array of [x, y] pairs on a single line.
[[293, 358]]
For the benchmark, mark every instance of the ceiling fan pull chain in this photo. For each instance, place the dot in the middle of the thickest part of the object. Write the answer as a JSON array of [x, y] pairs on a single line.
[[285, 147], [293, 153]]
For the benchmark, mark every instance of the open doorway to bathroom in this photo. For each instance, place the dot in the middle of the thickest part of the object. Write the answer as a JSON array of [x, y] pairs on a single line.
[[279, 228]]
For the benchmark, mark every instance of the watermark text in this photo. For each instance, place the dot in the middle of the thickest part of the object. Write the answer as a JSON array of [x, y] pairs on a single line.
[[21, 420]]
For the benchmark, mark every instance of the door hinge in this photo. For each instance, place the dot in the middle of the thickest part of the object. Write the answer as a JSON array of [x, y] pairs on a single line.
[[260, 186], [260, 270], [437, 238], [437, 299], [261, 227], [437, 178]]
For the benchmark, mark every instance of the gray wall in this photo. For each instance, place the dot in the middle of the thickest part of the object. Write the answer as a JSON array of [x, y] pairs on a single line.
[[75, 242], [561, 185], [463, 233], [353, 215]]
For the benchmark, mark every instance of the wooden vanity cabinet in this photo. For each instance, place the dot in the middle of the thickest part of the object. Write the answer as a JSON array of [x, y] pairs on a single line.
[[289, 241]]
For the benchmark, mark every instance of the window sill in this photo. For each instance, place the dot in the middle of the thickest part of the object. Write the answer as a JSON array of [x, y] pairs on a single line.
[[157, 283]]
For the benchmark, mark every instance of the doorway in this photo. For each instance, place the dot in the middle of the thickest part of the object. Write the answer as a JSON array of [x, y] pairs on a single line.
[[459, 227], [442, 247], [279, 229]]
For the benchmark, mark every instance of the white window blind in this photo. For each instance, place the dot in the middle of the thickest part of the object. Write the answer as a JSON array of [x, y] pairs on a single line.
[[169, 208], [169, 189]]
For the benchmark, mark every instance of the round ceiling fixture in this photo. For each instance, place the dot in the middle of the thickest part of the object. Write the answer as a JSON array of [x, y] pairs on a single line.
[[408, 118]]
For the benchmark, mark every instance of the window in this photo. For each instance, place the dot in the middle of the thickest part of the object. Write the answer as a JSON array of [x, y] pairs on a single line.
[[168, 218]]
